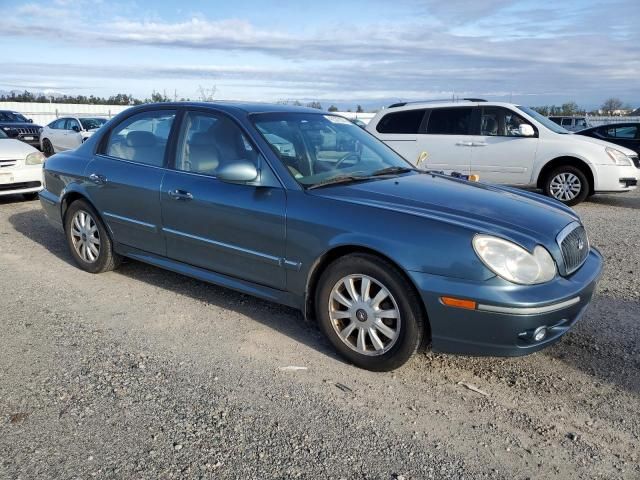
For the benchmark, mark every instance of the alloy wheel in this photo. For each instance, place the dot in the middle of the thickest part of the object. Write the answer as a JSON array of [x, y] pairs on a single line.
[[85, 236], [364, 314], [565, 186]]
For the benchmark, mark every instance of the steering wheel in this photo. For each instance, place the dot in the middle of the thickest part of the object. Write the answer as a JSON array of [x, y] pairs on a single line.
[[346, 157]]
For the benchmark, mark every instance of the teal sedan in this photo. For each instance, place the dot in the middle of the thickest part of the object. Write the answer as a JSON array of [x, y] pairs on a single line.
[[306, 209]]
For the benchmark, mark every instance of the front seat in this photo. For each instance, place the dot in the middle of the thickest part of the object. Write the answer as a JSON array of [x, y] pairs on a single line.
[[203, 156]]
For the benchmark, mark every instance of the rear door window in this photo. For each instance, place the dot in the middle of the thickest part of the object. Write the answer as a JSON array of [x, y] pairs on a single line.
[[406, 121], [142, 138], [450, 121]]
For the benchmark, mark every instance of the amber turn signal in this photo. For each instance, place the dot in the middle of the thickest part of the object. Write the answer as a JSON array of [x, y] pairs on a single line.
[[458, 302]]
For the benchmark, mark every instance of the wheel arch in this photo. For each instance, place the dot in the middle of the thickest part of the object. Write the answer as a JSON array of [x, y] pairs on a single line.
[[566, 160], [320, 265], [71, 196]]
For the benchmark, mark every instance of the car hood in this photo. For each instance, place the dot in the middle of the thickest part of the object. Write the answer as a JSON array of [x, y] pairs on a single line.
[[596, 141], [525, 217], [11, 149]]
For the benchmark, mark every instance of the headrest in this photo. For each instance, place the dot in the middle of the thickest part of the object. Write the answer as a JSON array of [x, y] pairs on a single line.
[[202, 138], [141, 139]]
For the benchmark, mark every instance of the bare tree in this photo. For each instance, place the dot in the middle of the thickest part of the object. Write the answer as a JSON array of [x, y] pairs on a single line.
[[610, 105], [207, 94]]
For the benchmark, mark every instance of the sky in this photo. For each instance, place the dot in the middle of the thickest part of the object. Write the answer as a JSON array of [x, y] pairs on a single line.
[[349, 51]]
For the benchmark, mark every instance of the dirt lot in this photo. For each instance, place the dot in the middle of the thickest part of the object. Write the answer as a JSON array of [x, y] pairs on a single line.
[[141, 373]]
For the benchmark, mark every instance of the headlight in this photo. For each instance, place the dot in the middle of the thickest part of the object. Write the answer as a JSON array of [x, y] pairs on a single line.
[[35, 158], [618, 157], [514, 263]]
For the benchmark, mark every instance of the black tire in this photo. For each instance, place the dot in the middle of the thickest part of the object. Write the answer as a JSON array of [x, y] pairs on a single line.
[[410, 328], [30, 196], [47, 148], [567, 170], [106, 259]]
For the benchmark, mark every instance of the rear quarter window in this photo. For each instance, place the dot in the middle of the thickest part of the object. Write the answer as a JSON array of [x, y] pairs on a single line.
[[406, 121]]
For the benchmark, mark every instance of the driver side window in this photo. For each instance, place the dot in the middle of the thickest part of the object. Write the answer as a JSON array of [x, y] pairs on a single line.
[[209, 141], [500, 122]]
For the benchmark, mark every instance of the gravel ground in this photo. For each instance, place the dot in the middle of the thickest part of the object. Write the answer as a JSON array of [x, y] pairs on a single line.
[[142, 373]]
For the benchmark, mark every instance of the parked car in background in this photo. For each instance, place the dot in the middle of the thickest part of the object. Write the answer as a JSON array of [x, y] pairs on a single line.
[[67, 133], [573, 124], [17, 126], [506, 144], [624, 134], [20, 167], [306, 209]]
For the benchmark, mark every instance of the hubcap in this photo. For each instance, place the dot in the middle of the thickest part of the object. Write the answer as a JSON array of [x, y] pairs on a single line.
[[565, 186], [85, 236], [364, 314]]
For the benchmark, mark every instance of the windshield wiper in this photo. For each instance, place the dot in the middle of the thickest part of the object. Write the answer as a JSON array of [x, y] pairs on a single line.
[[392, 170], [339, 179]]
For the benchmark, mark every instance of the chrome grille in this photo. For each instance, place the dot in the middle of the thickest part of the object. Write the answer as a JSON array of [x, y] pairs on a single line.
[[574, 244], [27, 130], [7, 163]]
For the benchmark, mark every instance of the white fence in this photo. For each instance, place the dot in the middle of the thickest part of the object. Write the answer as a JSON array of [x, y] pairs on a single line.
[[596, 121], [43, 113]]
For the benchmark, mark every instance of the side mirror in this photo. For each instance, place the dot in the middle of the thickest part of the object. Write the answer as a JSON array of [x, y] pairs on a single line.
[[76, 129], [526, 130], [239, 171], [30, 120]]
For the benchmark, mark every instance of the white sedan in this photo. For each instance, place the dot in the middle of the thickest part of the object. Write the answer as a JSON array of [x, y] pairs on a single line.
[[20, 167], [67, 133]]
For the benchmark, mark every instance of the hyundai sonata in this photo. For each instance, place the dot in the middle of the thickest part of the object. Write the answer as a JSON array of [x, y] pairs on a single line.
[[304, 208]]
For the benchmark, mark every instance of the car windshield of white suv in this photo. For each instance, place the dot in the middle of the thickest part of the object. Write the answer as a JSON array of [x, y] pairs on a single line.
[[320, 149], [12, 117], [550, 124], [92, 123]]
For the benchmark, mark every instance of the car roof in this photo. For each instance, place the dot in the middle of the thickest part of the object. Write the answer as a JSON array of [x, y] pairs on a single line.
[[230, 105], [445, 103]]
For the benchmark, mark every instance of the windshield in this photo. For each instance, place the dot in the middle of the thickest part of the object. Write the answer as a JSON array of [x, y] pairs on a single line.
[[12, 117], [91, 123], [318, 148], [550, 124]]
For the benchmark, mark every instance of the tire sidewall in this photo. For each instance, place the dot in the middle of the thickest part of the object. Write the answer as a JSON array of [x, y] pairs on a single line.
[[584, 191], [105, 240], [411, 327], [47, 147]]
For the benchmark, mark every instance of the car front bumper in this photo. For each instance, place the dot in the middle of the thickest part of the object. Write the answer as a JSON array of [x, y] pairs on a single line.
[[507, 314], [615, 178], [20, 179]]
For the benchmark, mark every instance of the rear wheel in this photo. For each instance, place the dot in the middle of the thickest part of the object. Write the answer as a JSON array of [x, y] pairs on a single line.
[[88, 239], [369, 311], [47, 148], [567, 184]]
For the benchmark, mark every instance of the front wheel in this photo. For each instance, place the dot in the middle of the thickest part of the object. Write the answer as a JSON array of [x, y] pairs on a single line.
[[369, 311], [47, 148], [567, 184], [88, 239]]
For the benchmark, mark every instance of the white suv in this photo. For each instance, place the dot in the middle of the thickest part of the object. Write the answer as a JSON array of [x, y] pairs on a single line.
[[508, 144]]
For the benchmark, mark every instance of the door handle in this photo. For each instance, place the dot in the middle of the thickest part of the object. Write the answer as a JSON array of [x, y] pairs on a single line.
[[98, 179], [464, 144], [479, 144], [180, 195]]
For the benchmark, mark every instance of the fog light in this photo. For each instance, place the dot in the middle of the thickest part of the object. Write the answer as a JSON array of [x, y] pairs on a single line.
[[540, 334]]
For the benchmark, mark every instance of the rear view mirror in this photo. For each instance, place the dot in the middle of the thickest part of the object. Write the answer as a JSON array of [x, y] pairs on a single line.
[[239, 171], [526, 130]]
